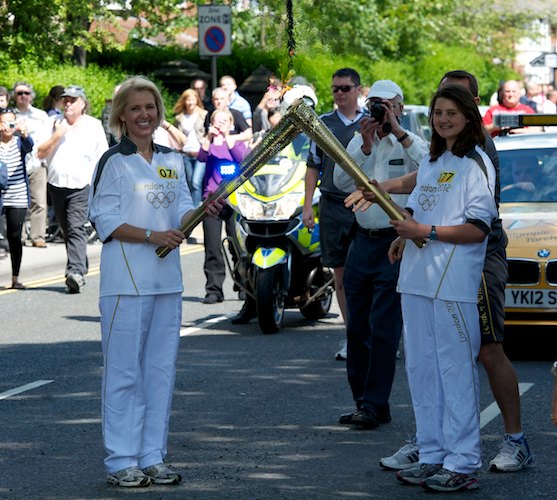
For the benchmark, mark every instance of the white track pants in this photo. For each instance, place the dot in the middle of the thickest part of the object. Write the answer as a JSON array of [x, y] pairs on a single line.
[[442, 342], [140, 339]]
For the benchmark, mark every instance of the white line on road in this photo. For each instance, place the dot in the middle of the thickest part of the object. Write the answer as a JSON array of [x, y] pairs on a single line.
[[24, 388], [493, 411], [189, 330], [486, 416]]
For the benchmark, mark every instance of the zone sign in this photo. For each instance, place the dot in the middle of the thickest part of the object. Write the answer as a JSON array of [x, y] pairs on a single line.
[[214, 26]]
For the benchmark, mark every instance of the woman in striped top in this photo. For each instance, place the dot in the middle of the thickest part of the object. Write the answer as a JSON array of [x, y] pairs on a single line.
[[15, 143]]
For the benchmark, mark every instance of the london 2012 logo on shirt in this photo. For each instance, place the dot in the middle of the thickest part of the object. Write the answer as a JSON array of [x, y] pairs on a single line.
[[161, 199], [428, 202]]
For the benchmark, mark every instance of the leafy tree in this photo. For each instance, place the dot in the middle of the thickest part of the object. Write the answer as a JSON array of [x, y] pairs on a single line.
[[413, 42], [393, 29]]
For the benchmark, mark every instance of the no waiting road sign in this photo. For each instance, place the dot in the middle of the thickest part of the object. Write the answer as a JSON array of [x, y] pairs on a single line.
[[214, 26]]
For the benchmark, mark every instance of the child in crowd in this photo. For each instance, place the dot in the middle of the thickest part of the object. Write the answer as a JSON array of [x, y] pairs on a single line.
[[219, 148]]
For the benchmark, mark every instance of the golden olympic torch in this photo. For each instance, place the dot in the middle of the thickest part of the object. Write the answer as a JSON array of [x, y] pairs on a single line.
[[299, 117], [308, 121], [272, 143]]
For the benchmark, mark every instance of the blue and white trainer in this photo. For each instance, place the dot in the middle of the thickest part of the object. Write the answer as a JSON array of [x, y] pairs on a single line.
[[514, 455]]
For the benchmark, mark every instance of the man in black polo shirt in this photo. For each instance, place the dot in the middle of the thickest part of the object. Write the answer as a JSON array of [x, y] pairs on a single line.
[[335, 220]]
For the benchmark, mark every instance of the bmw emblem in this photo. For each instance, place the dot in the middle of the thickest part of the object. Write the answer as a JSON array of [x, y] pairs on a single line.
[[544, 253]]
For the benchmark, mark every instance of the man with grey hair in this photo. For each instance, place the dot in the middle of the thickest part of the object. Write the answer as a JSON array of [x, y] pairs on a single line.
[[76, 143], [35, 121]]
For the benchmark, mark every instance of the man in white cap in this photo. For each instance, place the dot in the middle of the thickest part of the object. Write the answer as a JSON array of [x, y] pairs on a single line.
[[71, 152], [383, 149]]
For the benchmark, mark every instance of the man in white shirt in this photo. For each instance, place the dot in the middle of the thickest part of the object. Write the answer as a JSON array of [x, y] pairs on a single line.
[[383, 150], [549, 106], [35, 120], [72, 152]]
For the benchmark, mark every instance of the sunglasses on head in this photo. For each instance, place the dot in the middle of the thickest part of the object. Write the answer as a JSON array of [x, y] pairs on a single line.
[[23, 92], [342, 88]]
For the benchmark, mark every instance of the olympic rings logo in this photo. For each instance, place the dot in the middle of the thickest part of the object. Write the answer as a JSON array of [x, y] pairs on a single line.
[[428, 203], [160, 199]]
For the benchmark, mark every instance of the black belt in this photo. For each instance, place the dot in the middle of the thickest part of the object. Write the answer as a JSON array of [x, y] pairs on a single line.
[[385, 232]]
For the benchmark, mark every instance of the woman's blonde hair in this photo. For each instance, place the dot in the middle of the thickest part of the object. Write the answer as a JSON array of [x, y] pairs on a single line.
[[180, 106], [226, 112], [133, 84]]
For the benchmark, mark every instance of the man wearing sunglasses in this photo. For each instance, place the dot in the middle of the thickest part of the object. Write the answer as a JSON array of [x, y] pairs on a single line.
[[335, 220], [35, 120]]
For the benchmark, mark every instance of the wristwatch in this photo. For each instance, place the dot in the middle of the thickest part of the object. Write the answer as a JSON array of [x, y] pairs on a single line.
[[433, 234], [554, 369], [148, 233]]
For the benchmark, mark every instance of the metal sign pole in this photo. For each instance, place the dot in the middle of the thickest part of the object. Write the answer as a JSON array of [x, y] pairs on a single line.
[[214, 34], [214, 71]]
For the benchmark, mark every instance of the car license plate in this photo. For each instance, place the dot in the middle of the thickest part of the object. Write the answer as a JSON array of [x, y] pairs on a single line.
[[535, 298]]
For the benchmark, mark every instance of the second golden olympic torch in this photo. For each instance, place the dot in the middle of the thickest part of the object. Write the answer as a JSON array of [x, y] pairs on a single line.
[[308, 121], [272, 143]]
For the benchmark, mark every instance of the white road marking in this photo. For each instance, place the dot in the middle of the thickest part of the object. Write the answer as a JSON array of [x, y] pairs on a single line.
[[24, 388], [493, 411], [189, 330]]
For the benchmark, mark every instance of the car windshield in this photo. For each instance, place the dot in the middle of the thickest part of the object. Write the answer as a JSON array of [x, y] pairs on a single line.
[[417, 121], [528, 175]]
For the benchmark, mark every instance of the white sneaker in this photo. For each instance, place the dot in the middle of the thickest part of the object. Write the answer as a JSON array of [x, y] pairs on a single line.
[[131, 477], [341, 353], [75, 282], [405, 458], [162, 474], [513, 456]]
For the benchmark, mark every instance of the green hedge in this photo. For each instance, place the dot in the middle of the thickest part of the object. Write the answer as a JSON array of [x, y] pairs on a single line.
[[98, 82]]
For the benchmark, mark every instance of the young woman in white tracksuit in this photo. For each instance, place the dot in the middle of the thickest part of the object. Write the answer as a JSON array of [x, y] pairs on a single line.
[[138, 198], [452, 206]]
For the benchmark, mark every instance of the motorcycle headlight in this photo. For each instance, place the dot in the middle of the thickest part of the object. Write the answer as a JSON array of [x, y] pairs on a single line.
[[281, 209]]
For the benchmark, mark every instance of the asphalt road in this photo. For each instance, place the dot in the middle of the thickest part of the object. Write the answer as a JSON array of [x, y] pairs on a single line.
[[254, 416]]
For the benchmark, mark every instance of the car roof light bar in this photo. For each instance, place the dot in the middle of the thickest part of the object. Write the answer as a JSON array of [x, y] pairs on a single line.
[[510, 120]]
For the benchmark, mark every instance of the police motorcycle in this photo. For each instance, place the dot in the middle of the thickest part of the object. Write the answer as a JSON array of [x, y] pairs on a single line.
[[276, 259]]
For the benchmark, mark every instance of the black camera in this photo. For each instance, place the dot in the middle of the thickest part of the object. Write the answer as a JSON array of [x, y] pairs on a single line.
[[376, 109]]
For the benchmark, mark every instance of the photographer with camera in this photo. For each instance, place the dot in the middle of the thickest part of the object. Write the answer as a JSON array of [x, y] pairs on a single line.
[[383, 150], [15, 144]]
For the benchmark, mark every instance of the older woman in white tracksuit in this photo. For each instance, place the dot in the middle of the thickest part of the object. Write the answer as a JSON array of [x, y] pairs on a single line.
[[138, 199], [452, 206]]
